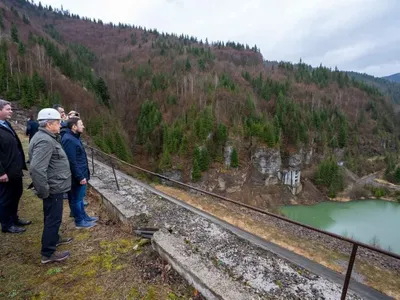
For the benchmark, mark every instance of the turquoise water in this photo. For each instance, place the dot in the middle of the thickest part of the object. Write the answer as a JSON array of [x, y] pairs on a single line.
[[374, 222]]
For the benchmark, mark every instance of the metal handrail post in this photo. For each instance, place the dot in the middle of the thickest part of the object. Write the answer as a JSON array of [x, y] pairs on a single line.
[[92, 161], [349, 271], [115, 175]]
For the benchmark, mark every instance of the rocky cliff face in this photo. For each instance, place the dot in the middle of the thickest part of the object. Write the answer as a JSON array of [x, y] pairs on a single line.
[[266, 164]]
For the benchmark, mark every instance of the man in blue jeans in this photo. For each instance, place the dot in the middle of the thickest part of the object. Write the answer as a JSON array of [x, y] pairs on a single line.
[[51, 178], [80, 172]]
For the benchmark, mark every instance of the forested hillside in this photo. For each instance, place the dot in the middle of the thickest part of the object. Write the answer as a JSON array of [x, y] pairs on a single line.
[[169, 101]]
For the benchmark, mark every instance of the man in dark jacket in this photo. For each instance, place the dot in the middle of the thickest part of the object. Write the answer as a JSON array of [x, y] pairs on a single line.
[[12, 162], [64, 118], [80, 172], [32, 127]]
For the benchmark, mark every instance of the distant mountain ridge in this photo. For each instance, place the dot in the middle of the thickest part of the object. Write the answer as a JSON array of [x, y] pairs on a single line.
[[393, 77], [386, 86]]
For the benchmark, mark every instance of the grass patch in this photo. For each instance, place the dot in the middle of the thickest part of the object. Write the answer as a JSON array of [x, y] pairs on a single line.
[[103, 264]]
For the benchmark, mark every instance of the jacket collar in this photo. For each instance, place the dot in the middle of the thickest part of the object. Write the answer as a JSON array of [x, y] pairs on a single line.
[[7, 126], [54, 136], [77, 135]]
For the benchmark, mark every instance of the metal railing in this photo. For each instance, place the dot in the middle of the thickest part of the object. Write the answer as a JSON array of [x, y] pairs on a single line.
[[355, 244]]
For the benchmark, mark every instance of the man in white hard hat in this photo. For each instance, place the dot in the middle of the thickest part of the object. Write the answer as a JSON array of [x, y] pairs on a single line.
[[51, 176]]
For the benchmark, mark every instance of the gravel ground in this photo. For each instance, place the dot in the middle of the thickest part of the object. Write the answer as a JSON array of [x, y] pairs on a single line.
[[257, 271]]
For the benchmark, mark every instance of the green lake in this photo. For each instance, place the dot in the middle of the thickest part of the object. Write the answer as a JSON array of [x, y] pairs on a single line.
[[374, 222]]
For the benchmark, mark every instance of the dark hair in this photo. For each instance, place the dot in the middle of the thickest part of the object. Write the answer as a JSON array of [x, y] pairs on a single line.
[[73, 114], [56, 106], [31, 117], [71, 122]]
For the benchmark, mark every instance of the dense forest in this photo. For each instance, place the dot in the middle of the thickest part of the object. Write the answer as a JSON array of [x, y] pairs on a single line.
[[169, 101]]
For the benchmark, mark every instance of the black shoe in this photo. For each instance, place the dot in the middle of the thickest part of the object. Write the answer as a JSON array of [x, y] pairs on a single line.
[[22, 222], [13, 229], [56, 256], [64, 241]]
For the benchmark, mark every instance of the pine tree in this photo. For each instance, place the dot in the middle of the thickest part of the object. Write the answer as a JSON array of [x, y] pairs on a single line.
[[196, 173], [1, 20], [25, 19], [188, 66], [397, 175], [21, 49], [184, 146], [14, 33], [102, 91], [234, 158], [39, 85], [3, 74], [121, 148], [205, 159], [202, 65], [165, 161], [343, 133]]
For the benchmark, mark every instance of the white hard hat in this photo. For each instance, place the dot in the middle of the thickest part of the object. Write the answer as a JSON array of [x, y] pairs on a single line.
[[48, 114]]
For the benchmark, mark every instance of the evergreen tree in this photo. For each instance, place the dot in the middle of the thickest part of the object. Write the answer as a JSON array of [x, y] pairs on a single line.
[[342, 136], [1, 20], [188, 66], [196, 173], [3, 73], [205, 159], [25, 19], [330, 175], [397, 175], [165, 161], [102, 91], [14, 33], [202, 64], [121, 149], [390, 161], [234, 158], [21, 49], [184, 146], [149, 119], [39, 85]]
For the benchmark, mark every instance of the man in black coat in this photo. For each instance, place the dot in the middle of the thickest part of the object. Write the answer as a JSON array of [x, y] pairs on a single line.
[[12, 162], [32, 126]]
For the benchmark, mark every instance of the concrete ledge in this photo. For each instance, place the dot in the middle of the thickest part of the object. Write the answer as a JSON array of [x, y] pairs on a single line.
[[214, 259], [205, 278]]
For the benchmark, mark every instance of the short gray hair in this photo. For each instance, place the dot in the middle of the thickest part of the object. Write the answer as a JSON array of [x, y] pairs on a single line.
[[3, 103], [43, 123]]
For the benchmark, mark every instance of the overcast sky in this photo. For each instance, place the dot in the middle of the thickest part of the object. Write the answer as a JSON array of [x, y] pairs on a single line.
[[357, 35]]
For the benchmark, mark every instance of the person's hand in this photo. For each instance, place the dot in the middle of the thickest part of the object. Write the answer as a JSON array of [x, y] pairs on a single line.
[[4, 178], [83, 181]]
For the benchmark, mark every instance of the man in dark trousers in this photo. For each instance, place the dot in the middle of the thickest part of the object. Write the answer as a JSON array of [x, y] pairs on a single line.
[[32, 126], [51, 178], [80, 172], [12, 162]]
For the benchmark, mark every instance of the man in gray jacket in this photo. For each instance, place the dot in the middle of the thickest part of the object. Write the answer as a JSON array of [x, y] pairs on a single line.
[[51, 176]]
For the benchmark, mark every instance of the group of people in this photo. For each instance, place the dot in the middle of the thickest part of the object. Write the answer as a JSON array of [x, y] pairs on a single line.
[[58, 166]]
